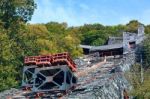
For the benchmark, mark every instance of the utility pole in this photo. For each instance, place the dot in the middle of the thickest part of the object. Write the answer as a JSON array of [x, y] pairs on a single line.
[[141, 63]]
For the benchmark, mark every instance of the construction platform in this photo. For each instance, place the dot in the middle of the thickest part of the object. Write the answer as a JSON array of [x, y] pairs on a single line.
[[49, 73]]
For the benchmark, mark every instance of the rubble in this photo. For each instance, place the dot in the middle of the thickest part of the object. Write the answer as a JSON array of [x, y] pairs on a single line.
[[9, 92], [103, 83]]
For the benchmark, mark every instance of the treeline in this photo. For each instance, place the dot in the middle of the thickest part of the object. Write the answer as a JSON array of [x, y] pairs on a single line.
[[98, 34], [19, 38], [28, 40]]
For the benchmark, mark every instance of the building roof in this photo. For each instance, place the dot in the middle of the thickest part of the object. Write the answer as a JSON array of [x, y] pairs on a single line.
[[103, 47], [106, 47]]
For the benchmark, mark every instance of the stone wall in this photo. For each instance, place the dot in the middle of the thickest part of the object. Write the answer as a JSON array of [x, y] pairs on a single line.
[[109, 85]]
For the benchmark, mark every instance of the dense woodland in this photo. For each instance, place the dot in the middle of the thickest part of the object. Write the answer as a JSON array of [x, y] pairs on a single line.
[[18, 38]]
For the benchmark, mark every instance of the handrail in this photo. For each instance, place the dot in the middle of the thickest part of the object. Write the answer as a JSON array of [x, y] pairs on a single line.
[[51, 59]]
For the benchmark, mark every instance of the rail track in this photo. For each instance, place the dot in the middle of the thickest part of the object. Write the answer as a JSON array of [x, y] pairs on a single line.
[[102, 70]]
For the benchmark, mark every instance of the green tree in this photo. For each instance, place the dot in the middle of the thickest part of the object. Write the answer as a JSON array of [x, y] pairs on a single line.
[[147, 29], [140, 90], [5, 51], [13, 16], [146, 52], [8, 72], [97, 34], [36, 39], [8, 77], [51, 38], [95, 37], [14, 11], [115, 30], [132, 26], [55, 27], [71, 42]]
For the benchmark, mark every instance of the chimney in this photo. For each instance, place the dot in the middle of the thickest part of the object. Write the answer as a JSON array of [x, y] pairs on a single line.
[[140, 30]]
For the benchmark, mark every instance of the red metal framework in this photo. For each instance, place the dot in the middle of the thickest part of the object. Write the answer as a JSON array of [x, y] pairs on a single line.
[[64, 58], [30, 60], [51, 60], [45, 59]]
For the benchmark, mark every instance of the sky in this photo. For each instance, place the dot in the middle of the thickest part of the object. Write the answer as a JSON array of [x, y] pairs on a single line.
[[80, 12]]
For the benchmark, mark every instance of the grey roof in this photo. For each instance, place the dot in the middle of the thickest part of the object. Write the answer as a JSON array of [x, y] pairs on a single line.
[[103, 47], [107, 47]]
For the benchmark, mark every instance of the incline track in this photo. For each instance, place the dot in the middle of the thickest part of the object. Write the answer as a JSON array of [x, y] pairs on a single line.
[[89, 75]]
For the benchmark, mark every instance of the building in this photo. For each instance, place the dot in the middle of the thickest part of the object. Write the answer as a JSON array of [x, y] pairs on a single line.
[[117, 45]]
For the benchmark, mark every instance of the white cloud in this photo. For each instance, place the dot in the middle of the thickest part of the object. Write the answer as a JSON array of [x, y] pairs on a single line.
[[47, 11], [76, 14]]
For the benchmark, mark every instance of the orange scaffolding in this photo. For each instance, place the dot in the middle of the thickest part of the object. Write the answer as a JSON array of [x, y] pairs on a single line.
[[51, 60]]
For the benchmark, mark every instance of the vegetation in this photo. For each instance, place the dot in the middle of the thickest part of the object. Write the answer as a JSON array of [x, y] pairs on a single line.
[[19, 39], [139, 75], [141, 88], [146, 53], [13, 16], [97, 34]]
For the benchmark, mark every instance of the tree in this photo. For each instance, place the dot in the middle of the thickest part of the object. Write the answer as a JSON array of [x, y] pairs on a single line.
[[97, 34], [146, 52], [55, 27], [14, 11], [147, 29], [115, 30], [36, 40], [5, 49], [7, 69], [140, 90], [13, 16], [95, 37], [8, 75], [132, 26], [71, 42], [51, 38]]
